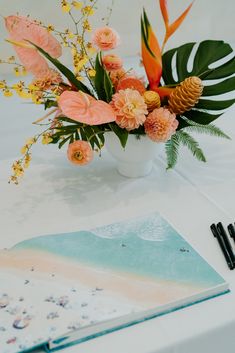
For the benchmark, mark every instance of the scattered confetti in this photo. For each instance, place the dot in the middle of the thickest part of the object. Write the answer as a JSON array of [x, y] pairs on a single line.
[[52, 315], [20, 323], [184, 250], [50, 299], [62, 301], [11, 340], [13, 310], [74, 326], [4, 301]]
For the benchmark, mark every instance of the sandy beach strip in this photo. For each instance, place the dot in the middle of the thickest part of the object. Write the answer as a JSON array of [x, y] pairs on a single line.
[[147, 292]]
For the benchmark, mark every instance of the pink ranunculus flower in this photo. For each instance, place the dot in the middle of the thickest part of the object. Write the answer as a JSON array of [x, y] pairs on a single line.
[[112, 62], [160, 125], [84, 108], [80, 152], [105, 38], [130, 109], [116, 76], [21, 30]]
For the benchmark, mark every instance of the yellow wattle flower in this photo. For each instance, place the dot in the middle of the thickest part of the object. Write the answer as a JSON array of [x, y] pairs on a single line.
[[2, 84], [23, 94], [23, 149], [30, 141], [50, 28], [17, 71], [27, 160], [46, 139], [88, 10], [92, 72], [66, 7], [77, 5], [7, 93]]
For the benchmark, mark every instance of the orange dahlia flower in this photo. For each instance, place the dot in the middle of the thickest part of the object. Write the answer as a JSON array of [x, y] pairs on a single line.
[[160, 125], [130, 109]]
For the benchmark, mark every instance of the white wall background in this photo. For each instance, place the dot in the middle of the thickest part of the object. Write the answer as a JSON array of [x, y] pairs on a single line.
[[208, 19]]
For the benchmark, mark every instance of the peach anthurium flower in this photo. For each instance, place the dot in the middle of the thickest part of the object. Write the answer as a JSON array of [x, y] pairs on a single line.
[[84, 108], [80, 153], [22, 29]]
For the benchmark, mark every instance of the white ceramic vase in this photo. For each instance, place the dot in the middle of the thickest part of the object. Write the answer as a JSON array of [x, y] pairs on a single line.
[[136, 159]]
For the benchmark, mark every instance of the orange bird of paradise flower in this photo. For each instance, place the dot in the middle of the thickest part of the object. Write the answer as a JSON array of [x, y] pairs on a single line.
[[151, 52]]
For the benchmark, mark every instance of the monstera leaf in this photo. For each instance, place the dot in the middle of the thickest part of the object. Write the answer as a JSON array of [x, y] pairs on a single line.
[[214, 63], [206, 66]]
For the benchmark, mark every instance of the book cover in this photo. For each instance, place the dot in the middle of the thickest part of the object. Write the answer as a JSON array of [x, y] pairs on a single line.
[[92, 282]]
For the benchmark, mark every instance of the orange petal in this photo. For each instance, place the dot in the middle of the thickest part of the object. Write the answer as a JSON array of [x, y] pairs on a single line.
[[151, 53], [164, 91], [164, 10], [175, 25], [85, 109]]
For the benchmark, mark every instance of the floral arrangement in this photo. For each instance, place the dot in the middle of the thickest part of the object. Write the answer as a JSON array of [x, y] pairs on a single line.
[[98, 95]]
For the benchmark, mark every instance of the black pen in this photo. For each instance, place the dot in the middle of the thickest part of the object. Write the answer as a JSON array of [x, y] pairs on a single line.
[[227, 243], [222, 246], [231, 231]]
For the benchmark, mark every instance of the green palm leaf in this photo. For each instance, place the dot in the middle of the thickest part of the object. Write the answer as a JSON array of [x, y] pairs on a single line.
[[207, 53], [172, 151], [172, 148], [209, 129], [189, 142]]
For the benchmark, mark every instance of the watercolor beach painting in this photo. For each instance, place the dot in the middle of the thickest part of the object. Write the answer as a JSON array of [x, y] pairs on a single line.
[[54, 284]]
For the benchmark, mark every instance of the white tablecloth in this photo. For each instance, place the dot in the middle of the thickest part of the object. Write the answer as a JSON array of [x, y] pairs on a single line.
[[55, 196]]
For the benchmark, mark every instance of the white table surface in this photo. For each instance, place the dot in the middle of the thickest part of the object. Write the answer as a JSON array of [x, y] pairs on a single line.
[[55, 197]]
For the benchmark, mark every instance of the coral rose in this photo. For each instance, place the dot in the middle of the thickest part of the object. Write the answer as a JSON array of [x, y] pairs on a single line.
[[132, 83], [80, 153], [160, 125], [112, 62], [21, 30], [130, 109], [105, 38]]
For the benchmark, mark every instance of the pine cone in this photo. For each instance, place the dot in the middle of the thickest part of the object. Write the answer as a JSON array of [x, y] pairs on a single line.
[[186, 95], [152, 100]]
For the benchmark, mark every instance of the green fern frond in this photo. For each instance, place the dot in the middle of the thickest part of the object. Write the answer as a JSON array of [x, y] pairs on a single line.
[[188, 141], [172, 151], [209, 129]]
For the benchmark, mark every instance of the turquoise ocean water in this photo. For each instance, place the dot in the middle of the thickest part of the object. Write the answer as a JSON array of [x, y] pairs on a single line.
[[146, 246]]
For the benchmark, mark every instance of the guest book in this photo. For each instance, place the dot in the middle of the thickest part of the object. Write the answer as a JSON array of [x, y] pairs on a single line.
[[62, 289]]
